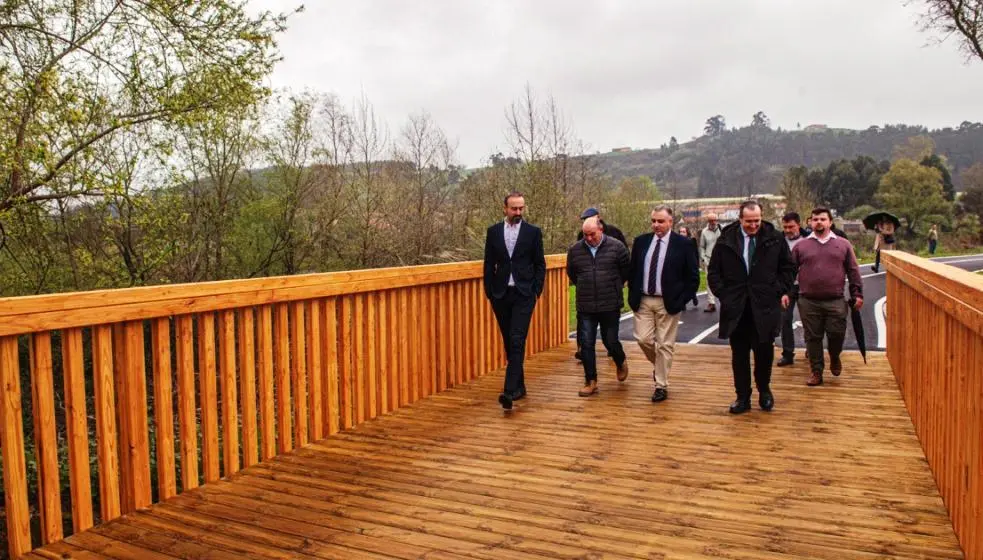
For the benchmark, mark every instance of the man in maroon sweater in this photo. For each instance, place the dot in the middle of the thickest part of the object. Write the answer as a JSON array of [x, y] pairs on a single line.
[[824, 260]]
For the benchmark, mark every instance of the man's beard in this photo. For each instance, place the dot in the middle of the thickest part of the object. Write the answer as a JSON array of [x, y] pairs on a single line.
[[515, 219], [820, 230]]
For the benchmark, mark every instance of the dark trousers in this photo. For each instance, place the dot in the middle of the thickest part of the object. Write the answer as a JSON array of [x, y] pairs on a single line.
[[932, 244], [513, 313], [587, 324], [604, 336], [788, 332], [819, 318], [743, 341]]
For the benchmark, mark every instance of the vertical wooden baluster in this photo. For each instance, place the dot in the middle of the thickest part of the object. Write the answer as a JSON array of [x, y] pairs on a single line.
[[460, 324], [298, 373], [413, 340], [345, 388], [480, 327], [119, 377], [133, 406], [372, 355], [105, 404], [472, 330], [331, 407], [77, 434], [395, 349], [227, 386], [282, 336], [442, 333], [187, 419], [430, 357], [14, 469], [385, 349], [404, 346], [208, 397], [247, 386], [315, 370], [358, 355], [163, 407], [45, 438], [267, 423]]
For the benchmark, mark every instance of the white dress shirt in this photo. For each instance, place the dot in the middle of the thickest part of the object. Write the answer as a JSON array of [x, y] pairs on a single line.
[[511, 236]]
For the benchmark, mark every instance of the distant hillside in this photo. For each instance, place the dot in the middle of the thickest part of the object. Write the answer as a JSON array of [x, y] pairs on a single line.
[[752, 159]]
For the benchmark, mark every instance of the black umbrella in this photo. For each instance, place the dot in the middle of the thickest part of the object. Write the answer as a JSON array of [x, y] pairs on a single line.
[[871, 221], [858, 329]]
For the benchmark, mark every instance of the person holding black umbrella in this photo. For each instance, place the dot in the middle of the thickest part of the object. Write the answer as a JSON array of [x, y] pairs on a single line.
[[824, 259], [885, 224]]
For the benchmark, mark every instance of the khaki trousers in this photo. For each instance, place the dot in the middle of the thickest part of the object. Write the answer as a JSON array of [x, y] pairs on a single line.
[[655, 331]]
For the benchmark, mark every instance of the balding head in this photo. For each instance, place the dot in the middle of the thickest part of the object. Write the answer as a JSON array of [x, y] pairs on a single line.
[[592, 231], [712, 218]]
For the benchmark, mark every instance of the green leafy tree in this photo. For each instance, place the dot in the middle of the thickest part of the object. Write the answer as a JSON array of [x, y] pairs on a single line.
[[913, 192], [938, 162], [971, 201], [795, 189], [630, 205], [914, 148], [72, 74]]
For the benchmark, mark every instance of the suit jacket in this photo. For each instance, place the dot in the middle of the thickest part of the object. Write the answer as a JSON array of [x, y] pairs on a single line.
[[527, 265], [680, 272]]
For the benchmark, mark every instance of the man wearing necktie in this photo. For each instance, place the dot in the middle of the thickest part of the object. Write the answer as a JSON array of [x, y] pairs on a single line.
[[665, 274], [750, 270]]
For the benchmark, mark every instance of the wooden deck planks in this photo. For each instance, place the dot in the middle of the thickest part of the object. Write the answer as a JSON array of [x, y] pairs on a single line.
[[833, 472]]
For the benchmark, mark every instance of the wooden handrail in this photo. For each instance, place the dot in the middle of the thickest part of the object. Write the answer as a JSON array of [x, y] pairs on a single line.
[[935, 346], [253, 367]]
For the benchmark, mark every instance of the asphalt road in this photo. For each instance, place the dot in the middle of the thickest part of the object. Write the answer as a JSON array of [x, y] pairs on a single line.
[[698, 327]]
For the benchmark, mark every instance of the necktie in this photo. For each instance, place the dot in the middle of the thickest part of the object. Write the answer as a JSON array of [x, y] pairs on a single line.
[[654, 268], [750, 250]]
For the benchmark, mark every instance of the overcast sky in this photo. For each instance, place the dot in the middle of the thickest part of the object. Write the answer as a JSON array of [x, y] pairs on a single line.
[[629, 72]]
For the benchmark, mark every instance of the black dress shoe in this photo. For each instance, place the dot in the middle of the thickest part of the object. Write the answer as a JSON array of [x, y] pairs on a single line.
[[740, 405], [519, 394], [505, 400], [785, 362], [660, 395], [766, 401]]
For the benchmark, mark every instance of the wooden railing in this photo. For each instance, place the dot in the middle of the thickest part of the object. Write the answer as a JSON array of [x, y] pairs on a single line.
[[935, 346], [274, 363]]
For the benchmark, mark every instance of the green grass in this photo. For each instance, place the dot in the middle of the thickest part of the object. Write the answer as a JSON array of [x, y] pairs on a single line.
[[572, 294]]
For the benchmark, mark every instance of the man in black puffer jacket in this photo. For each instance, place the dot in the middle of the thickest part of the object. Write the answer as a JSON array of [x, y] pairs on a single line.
[[598, 266]]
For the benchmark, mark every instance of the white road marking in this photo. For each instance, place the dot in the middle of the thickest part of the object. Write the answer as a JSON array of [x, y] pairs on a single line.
[[698, 338], [879, 318]]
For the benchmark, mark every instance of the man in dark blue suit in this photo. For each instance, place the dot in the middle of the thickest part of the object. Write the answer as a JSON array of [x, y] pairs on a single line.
[[665, 274], [515, 271]]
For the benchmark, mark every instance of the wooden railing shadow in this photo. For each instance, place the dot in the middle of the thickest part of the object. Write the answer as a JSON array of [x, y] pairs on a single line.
[[162, 389], [935, 346]]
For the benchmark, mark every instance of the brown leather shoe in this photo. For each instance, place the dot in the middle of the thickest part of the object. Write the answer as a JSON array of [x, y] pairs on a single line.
[[710, 308], [623, 370], [589, 389], [835, 367], [815, 379]]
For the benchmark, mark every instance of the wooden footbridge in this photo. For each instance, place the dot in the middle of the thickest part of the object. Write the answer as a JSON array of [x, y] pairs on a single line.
[[354, 415]]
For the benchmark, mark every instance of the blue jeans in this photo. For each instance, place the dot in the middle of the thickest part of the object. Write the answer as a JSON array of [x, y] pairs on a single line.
[[587, 339]]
